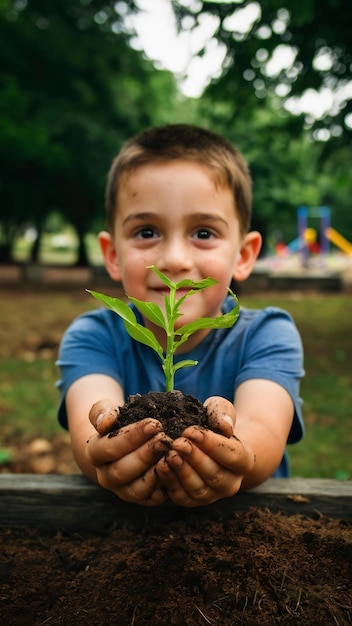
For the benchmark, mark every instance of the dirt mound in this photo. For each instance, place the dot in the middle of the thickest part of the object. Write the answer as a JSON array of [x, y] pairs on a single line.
[[254, 568]]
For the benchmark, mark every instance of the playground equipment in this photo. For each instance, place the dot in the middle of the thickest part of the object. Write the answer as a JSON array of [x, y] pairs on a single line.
[[322, 212], [293, 246], [327, 233], [308, 241], [338, 240]]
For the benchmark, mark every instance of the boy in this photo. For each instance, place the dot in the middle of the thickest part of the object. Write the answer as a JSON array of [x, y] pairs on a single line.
[[179, 197]]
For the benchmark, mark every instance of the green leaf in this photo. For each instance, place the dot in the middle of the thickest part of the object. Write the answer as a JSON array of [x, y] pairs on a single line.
[[115, 304], [151, 311], [134, 329], [171, 285], [168, 311], [185, 363], [143, 335], [233, 296], [224, 321], [189, 293], [196, 286]]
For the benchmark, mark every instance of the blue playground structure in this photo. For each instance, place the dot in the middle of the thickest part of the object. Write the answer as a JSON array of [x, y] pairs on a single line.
[[322, 212], [309, 241]]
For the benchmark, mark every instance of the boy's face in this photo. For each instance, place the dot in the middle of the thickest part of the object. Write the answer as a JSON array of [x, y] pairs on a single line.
[[173, 216]]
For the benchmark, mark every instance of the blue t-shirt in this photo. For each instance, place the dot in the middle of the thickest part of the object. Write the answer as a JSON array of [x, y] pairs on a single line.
[[262, 344]]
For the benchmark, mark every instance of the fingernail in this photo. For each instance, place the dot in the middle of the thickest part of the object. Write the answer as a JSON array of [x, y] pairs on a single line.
[[175, 459], [161, 446], [152, 427], [183, 445]]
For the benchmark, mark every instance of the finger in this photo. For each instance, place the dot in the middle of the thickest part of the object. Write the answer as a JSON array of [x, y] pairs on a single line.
[[228, 452], [201, 474], [133, 465], [104, 416], [145, 490], [102, 450], [171, 483], [221, 415], [187, 488]]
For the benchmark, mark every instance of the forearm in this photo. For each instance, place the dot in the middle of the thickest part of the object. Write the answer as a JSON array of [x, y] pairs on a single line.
[[80, 398], [264, 418], [268, 450], [79, 438]]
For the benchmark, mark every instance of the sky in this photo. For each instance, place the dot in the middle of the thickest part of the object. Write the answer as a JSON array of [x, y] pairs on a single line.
[[158, 38]]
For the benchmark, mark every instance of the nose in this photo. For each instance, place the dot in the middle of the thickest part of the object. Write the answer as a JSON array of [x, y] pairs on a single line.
[[174, 256]]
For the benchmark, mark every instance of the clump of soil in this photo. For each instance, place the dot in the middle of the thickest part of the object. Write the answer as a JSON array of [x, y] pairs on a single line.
[[252, 567], [173, 409]]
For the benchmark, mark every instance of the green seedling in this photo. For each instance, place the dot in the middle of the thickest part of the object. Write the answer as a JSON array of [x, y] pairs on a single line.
[[167, 320]]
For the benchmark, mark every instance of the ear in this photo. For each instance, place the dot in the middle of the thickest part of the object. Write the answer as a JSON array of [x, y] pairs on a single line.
[[248, 255], [109, 255]]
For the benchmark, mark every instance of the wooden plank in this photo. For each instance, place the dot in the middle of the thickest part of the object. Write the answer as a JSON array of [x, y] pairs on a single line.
[[57, 502]]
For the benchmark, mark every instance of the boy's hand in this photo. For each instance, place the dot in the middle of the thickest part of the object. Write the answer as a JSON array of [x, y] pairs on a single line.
[[125, 462], [141, 464], [204, 466]]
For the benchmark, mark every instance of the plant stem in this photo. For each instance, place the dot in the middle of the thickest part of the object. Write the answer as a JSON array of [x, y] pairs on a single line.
[[168, 363]]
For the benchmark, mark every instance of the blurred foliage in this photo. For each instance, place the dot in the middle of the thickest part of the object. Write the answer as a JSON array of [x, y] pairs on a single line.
[[72, 90], [282, 163], [290, 163], [317, 33]]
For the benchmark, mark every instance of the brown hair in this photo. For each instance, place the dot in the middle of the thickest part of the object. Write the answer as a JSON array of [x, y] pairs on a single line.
[[184, 142]]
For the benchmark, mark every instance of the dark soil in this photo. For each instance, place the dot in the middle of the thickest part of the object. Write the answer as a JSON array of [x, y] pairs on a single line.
[[174, 410], [255, 568]]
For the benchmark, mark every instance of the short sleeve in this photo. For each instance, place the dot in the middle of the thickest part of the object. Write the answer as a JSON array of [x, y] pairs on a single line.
[[88, 347], [273, 351]]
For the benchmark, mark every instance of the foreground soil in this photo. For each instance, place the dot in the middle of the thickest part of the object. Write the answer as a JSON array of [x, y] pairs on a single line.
[[255, 568]]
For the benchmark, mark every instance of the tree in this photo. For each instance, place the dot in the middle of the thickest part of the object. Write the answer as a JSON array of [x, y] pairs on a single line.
[[72, 90], [282, 160], [284, 50], [250, 100]]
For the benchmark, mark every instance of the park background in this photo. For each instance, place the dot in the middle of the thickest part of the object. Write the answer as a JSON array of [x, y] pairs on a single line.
[[74, 85]]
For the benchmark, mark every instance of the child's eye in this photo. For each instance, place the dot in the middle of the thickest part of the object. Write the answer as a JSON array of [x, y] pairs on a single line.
[[146, 233], [203, 233]]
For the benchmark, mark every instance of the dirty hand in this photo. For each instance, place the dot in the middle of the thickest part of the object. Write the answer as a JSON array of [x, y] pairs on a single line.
[[125, 460], [204, 466]]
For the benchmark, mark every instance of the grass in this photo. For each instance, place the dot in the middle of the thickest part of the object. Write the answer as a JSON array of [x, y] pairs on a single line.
[[324, 322], [31, 327], [33, 323]]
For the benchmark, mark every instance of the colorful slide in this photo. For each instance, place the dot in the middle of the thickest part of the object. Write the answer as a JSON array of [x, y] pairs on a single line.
[[339, 240], [294, 245]]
